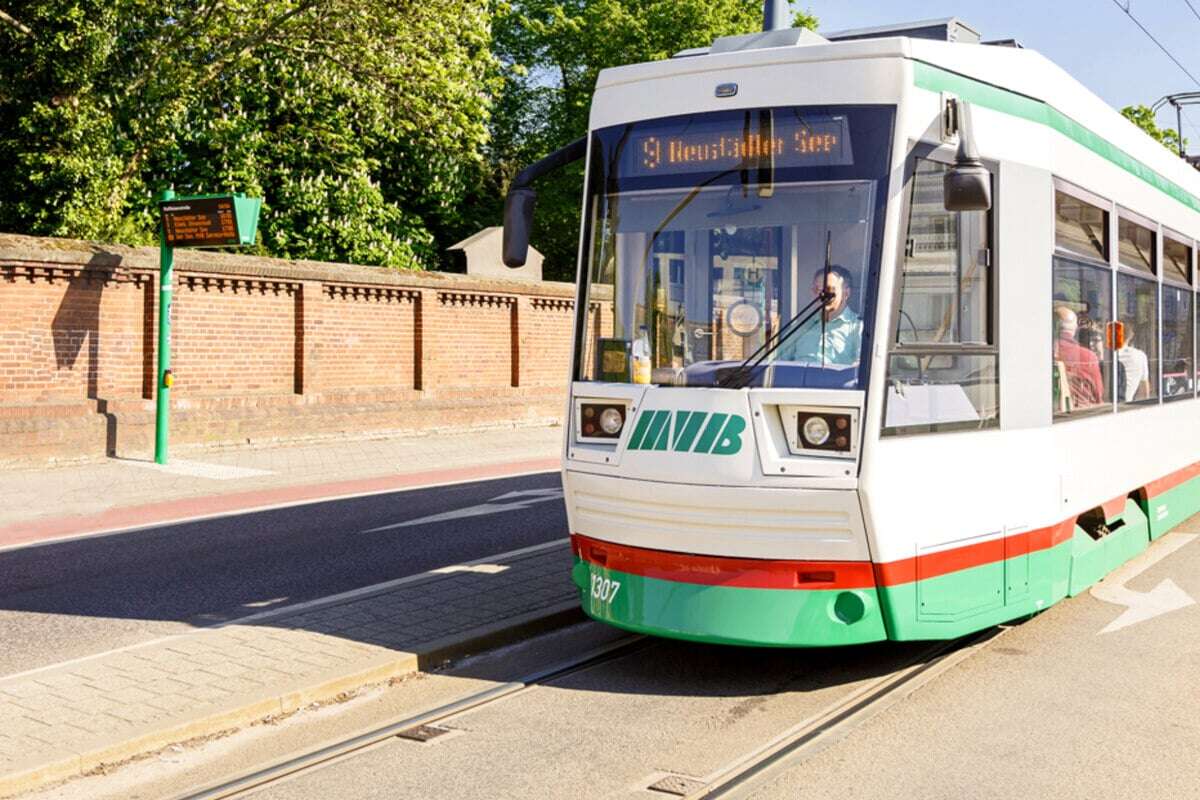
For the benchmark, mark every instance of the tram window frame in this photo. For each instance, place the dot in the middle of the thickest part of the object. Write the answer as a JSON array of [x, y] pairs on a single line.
[[1125, 280], [932, 352], [1068, 258], [1177, 278], [1065, 191], [1128, 249], [1137, 267]]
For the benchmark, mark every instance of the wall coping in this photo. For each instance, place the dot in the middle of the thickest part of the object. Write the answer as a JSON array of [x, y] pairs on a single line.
[[107, 257]]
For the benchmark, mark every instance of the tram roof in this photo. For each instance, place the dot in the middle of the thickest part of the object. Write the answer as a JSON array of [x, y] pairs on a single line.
[[1022, 73]]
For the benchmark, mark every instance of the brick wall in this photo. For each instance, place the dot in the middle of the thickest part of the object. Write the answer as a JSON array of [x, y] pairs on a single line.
[[263, 350]]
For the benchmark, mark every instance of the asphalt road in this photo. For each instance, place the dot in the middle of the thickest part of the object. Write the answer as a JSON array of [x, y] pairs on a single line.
[[69, 599], [1068, 704]]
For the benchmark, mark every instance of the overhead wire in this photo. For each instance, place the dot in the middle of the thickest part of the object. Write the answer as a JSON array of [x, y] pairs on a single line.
[[1125, 7], [1193, 8], [1184, 113]]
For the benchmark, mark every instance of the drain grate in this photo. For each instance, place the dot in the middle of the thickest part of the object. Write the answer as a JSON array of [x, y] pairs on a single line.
[[678, 785], [423, 733]]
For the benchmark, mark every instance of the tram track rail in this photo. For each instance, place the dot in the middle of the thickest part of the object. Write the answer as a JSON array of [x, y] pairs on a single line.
[[736, 779], [741, 776], [326, 754]]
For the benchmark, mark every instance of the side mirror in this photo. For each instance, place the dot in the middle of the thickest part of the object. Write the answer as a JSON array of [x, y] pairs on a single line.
[[518, 205], [968, 184], [518, 222]]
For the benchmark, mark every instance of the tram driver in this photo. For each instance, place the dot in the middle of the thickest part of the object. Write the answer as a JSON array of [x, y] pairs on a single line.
[[838, 344]]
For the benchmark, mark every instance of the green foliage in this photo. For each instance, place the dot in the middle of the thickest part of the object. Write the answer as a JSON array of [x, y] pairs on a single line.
[[1144, 118], [551, 52], [378, 131], [361, 122]]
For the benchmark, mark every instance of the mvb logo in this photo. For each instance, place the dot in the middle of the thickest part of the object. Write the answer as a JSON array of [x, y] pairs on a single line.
[[688, 431]]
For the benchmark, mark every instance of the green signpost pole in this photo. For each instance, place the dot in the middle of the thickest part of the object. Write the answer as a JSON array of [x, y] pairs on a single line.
[[166, 289], [206, 220]]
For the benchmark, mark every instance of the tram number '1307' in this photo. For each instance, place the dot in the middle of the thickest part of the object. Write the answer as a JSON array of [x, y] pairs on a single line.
[[604, 589]]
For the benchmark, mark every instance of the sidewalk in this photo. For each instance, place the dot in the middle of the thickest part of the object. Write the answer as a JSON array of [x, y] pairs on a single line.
[[68, 719], [37, 504]]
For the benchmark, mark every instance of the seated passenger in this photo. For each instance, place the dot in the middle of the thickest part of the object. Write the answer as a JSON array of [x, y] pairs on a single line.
[[1135, 385], [842, 337], [1082, 365]]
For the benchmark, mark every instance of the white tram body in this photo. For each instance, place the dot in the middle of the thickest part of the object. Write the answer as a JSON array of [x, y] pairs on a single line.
[[981, 478]]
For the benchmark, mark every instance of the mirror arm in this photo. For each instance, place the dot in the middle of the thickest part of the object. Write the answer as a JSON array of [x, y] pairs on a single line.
[[968, 184], [518, 205]]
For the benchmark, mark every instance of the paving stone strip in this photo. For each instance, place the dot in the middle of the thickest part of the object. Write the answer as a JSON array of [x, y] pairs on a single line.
[[71, 718]]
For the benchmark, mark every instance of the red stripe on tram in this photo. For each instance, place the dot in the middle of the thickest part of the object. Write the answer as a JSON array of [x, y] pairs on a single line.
[[746, 573], [1177, 478], [781, 574], [931, 565]]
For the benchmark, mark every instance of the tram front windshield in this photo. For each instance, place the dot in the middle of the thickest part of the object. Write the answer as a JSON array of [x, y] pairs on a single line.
[[710, 234]]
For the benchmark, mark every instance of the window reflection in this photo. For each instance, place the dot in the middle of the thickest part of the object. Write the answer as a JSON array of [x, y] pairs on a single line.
[[944, 297], [1081, 360], [933, 384], [1135, 248], [1137, 359], [1177, 261], [1177, 341], [1080, 227]]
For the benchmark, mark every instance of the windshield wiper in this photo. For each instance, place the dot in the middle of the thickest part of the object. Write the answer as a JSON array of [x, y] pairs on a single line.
[[741, 374]]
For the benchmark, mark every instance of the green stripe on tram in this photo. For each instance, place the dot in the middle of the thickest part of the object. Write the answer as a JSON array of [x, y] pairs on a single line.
[[729, 614], [935, 79], [1167, 509]]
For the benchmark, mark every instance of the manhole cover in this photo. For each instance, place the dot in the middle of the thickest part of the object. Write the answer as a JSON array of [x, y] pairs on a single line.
[[423, 733], [679, 785]]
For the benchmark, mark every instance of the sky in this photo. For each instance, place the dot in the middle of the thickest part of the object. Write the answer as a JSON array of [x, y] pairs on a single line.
[[1094, 40]]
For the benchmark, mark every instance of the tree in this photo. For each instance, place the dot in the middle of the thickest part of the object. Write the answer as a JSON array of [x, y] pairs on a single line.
[[1144, 118], [551, 52], [360, 121]]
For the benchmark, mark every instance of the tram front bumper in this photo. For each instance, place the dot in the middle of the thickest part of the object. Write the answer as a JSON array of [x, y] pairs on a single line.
[[727, 600]]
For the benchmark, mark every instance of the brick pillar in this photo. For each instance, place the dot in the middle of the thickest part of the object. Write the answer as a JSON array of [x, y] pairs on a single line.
[[310, 300], [518, 311], [149, 335], [422, 303]]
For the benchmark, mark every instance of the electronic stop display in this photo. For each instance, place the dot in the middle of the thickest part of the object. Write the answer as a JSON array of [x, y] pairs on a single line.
[[761, 140], [200, 222]]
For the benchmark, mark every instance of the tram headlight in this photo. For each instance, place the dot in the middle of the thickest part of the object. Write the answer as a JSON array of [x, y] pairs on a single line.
[[816, 431], [611, 421], [825, 430], [601, 420]]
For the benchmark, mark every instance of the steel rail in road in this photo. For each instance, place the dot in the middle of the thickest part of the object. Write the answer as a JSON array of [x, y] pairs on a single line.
[[735, 779], [740, 776], [321, 756]]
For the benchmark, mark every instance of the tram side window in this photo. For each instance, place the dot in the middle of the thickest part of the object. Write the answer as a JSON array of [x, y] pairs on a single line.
[[1137, 312], [1080, 228], [1178, 330], [1081, 360], [942, 371]]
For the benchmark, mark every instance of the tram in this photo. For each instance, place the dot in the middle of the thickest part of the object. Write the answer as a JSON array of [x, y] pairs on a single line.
[[877, 337]]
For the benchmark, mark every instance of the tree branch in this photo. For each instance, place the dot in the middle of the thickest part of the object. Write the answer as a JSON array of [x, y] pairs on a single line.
[[15, 24]]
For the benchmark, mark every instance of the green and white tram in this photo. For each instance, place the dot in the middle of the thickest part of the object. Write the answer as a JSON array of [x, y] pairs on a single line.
[[837, 380]]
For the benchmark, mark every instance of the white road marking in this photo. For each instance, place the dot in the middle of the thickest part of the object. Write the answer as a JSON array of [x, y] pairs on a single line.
[[516, 501], [482, 569], [1141, 606], [199, 469]]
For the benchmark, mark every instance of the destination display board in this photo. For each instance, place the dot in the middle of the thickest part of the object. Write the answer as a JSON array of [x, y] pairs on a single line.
[[782, 141], [200, 222]]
